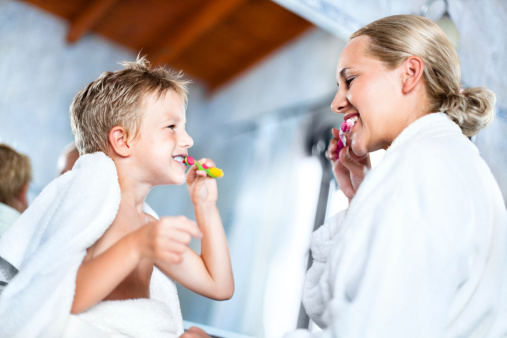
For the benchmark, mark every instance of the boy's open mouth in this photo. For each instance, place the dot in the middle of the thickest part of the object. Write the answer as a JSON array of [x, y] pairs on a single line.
[[179, 158]]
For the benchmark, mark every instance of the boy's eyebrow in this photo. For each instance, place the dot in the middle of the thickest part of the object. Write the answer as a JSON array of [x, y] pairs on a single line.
[[170, 116], [175, 119]]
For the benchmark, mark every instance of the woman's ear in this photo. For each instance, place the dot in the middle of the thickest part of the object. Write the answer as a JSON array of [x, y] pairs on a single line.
[[413, 70], [120, 144]]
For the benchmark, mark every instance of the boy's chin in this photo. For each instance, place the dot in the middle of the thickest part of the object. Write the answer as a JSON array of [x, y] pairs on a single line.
[[180, 181], [175, 180]]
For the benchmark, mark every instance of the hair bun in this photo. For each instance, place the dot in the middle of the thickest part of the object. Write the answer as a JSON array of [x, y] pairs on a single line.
[[471, 108]]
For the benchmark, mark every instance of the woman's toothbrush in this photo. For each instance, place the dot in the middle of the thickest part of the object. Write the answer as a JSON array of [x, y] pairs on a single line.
[[344, 129], [213, 172]]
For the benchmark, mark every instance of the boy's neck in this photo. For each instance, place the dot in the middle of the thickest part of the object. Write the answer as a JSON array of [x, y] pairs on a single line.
[[133, 190]]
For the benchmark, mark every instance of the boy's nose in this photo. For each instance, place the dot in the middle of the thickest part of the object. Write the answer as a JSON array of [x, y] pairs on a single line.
[[186, 141]]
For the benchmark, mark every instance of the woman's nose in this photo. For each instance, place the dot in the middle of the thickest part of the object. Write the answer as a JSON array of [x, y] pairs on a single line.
[[340, 102]]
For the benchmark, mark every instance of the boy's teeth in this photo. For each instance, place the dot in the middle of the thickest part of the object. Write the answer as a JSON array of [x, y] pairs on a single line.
[[179, 158]]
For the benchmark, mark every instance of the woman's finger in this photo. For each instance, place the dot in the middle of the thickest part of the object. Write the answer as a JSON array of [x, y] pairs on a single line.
[[342, 175], [331, 152], [349, 161]]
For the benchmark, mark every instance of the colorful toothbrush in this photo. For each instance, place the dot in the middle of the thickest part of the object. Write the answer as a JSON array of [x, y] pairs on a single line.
[[213, 172]]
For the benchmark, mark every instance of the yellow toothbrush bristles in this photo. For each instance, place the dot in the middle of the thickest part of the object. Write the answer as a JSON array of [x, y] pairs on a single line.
[[216, 172]]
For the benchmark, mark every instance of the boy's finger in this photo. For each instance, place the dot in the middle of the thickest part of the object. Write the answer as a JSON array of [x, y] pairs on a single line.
[[209, 163], [201, 173], [189, 227], [193, 168], [191, 174], [173, 258], [183, 224], [176, 247], [180, 236]]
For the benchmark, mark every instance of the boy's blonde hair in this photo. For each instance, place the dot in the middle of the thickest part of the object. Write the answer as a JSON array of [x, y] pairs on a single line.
[[15, 172], [116, 99], [394, 38]]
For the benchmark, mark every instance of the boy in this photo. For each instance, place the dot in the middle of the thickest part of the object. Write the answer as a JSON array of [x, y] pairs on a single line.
[[136, 116]]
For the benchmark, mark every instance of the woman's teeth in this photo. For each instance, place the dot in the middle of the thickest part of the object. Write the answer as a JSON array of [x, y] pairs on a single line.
[[345, 127], [350, 123]]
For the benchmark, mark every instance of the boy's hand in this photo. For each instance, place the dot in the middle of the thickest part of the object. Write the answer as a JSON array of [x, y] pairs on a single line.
[[166, 240], [202, 188]]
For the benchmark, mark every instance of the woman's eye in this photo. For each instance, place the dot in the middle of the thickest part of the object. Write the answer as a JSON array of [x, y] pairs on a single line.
[[349, 81]]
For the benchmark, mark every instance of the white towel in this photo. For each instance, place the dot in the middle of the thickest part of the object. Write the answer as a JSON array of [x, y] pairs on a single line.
[[48, 243], [159, 317]]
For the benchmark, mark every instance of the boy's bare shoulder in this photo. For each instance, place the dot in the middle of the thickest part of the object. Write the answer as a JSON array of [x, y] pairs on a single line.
[[122, 225], [137, 283]]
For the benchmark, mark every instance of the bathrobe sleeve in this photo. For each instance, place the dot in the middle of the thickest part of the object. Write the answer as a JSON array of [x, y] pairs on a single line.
[[404, 251], [323, 242]]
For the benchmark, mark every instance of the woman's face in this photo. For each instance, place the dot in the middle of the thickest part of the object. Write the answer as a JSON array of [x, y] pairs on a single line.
[[370, 91]]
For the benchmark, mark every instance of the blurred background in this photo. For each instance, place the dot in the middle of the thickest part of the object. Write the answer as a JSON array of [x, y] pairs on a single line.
[[263, 77]]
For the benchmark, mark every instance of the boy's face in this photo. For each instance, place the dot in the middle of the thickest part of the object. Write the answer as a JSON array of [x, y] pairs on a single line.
[[162, 142]]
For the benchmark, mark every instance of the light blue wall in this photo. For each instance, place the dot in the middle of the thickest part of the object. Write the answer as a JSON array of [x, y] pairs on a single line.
[[39, 76]]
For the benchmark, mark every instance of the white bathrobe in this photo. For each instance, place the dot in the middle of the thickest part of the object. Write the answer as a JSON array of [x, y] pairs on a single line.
[[421, 250], [8, 216], [47, 245]]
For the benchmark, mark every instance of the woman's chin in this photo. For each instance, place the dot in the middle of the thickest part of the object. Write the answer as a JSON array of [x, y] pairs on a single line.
[[358, 149]]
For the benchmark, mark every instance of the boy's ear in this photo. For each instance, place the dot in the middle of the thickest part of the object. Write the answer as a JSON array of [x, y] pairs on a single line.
[[23, 193], [119, 141], [412, 72], [20, 201]]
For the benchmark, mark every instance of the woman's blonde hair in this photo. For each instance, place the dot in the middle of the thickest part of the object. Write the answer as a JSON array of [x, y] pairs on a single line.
[[116, 99], [15, 172], [394, 38]]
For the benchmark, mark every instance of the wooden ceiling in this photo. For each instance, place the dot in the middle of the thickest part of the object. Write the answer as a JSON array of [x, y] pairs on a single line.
[[212, 40]]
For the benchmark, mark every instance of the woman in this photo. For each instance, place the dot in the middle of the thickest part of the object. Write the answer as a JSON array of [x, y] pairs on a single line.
[[421, 250]]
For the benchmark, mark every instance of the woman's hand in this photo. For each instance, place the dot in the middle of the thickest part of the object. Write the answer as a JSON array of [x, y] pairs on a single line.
[[194, 332], [348, 168], [202, 188], [166, 239]]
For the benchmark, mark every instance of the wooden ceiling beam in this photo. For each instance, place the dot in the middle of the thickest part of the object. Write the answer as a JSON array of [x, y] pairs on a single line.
[[204, 19], [88, 18], [244, 64]]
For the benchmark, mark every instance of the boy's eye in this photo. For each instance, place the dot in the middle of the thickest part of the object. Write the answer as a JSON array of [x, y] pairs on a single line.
[[172, 126]]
